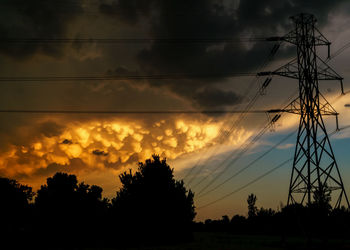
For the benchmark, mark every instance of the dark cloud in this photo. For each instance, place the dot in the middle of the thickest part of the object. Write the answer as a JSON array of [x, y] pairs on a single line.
[[66, 141], [20, 131], [43, 19], [99, 152], [50, 128], [179, 19], [210, 19], [121, 71], [271, 15], [210, 97], [129, 11], [75, 166]]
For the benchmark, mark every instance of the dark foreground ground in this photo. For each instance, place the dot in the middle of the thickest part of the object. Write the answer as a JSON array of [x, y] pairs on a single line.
[[223, 241]]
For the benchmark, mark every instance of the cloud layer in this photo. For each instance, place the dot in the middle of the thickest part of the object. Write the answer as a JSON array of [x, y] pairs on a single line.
[[114, 143], [33, 147]]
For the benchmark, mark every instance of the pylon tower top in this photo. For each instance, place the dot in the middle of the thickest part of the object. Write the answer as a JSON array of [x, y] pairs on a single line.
[[304, 18]]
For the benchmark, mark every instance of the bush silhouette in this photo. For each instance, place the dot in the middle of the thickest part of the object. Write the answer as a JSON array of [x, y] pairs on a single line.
[[154, 205]]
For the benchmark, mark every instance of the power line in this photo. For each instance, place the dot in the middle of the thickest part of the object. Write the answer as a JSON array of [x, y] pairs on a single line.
[[234, 160], [123, 77], [262, 176], [338, 52], [41, 111], [246, 185], [188, 40], [249, 165], [240, 154], [224, 135]]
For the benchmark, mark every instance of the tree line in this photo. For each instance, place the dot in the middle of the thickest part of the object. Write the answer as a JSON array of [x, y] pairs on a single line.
[[151, 207], [315, 222]]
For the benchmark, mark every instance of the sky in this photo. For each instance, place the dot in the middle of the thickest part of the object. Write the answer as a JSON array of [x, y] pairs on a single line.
[[98, 147]]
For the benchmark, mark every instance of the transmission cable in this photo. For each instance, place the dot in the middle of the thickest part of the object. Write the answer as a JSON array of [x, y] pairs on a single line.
[[189, 40], [338, 52], [249, 165], [121, 77], [240, 153], [246, 185], [222, 135], [261, 176], [235, 159], [43, 111]]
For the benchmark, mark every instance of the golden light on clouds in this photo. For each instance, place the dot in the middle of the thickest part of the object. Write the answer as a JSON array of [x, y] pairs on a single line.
[[115, 144]]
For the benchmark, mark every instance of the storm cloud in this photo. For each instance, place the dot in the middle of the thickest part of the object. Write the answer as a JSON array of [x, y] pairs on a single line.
[[38, 19], [39, 145], [215, 19], [197, 19]]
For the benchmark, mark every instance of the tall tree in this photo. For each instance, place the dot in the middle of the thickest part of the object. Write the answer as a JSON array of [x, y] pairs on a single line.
[[70, 209], [152, 203], [322, 196], [252, 209]]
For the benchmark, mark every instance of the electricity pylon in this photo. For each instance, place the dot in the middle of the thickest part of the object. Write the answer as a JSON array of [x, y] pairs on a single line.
[[315, 168]]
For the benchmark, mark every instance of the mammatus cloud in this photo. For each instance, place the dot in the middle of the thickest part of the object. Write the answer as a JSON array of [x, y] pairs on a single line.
[[110, 144]]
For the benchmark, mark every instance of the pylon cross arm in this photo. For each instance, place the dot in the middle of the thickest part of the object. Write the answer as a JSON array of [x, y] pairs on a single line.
[[289, 70], [328, 77], [295, 108], [325, 72], [291, 37]]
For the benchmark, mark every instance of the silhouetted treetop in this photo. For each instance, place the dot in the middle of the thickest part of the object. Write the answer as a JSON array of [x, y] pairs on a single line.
[[152, 198], [252, 209], [322, 198], [64, 200], [12, 191], [71, 210], [15, 199]]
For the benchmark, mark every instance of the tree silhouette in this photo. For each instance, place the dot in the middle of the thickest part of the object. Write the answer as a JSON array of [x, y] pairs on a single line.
[[70, 209], [252, 209], [322, 199], [151, 207], [15, 207], [152, 204]]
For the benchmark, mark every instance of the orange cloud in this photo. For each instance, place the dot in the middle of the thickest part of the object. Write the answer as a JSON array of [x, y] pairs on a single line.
[[87, 146]]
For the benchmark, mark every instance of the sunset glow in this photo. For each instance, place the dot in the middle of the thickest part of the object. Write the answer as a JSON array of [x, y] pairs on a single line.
[[93, 87]]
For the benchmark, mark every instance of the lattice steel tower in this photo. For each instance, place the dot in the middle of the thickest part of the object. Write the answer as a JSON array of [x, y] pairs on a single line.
[[314, 167]]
